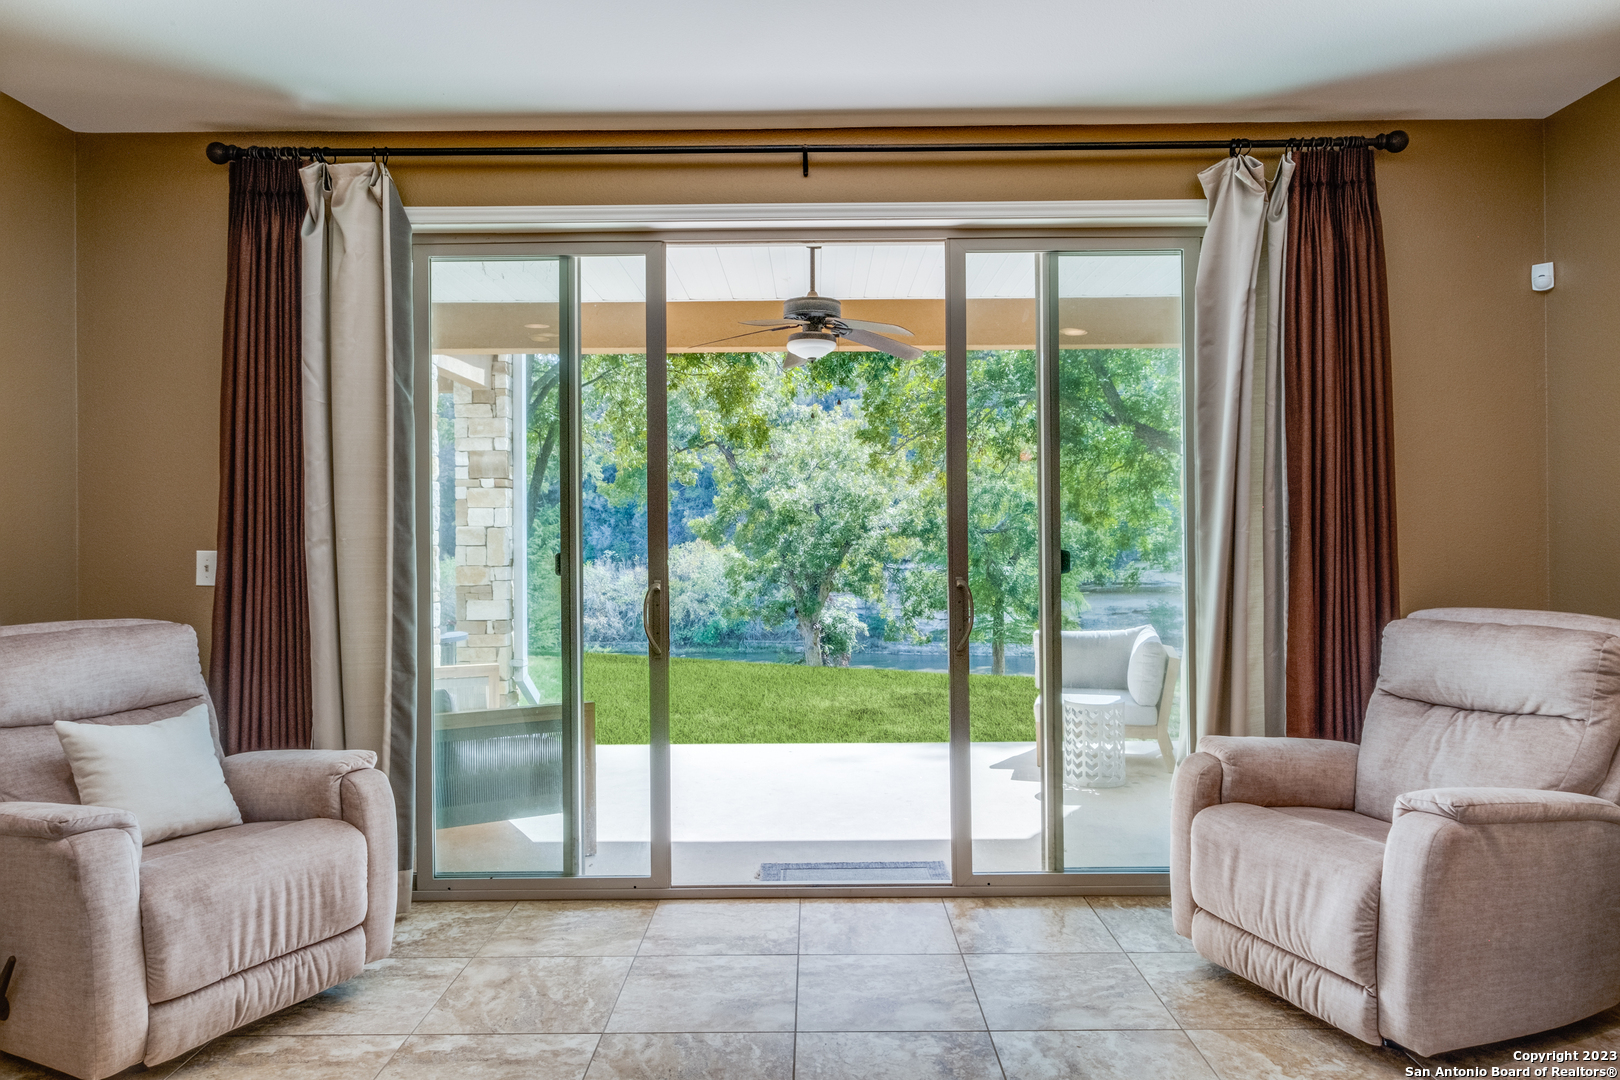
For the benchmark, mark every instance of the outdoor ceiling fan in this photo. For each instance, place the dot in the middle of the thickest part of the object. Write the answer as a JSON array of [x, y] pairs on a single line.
[[818, 322]]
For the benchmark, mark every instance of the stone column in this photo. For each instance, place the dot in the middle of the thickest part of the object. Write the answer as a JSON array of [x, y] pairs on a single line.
[[484, 527]]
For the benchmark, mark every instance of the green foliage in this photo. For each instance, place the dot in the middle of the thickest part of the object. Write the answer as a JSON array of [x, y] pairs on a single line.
[[732, 701], [700, 600], [830, 481], [1119, 425], [805, 509], [1119, 430], [841, 629]]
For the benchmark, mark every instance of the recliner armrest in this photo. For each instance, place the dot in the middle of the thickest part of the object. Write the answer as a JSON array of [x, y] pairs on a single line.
[[70, 911], [53, 821], [1505, 806], [292, 785], [1285, 772]]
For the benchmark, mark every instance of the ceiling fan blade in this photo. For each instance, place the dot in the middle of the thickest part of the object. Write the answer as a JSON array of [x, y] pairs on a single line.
[[761, 322], [879, 327], [883, 344], [734, 337]]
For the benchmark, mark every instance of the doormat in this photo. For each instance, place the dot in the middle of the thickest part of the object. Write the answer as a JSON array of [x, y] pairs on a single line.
[[928, 870]]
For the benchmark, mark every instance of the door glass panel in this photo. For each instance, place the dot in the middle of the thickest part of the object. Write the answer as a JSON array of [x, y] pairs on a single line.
[[616, 825], [809, 700], [1119, 419], [498, 716], [1003, 529]]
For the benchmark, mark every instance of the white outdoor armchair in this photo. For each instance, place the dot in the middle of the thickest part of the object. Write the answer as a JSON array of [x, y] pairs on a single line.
[[1127, 670]]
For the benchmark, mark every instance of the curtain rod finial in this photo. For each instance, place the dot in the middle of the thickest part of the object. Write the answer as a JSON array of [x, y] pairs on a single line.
[[221, 154], [1394, 141]]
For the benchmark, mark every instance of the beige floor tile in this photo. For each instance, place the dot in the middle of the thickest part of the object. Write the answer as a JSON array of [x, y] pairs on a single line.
[[492, 1057], [686, 1056], [1296, 1054], [886, 993], [293, 1057], [530, 995], [1200, 994], [1600, 1032], [1100, 1055], [1140, 923], [1064, 992], [1032, 924], [722, 928], [572, 928], [896, 1055], [707, 993], [874, 926], [390, 997], [449, 929]]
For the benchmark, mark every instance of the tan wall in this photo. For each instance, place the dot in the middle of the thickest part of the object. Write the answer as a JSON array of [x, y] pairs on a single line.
[[1462, 210], [38, 483], [1583, 354]]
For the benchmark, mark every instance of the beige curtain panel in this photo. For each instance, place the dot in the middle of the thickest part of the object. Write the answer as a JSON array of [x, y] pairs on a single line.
[[358, 468], [1229, 306], [1273, 602]]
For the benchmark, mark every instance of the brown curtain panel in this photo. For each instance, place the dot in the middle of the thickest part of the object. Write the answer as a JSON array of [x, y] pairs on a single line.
[[1342, 582], [259, 669]]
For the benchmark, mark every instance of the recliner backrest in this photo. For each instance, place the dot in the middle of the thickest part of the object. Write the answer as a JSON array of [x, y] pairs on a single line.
[[1490, 704], [104, 671]]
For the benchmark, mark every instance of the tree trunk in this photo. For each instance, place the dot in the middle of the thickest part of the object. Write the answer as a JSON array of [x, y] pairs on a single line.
[[811, 633]]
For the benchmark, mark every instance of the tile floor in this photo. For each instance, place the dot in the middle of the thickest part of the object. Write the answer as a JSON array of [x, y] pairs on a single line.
[[1021, 989]]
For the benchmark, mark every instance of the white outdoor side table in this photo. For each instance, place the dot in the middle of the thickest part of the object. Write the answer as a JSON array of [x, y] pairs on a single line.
[[1093, 746]]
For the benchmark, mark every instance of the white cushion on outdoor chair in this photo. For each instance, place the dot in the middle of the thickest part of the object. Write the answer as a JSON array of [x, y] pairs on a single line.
[[1145, 677]]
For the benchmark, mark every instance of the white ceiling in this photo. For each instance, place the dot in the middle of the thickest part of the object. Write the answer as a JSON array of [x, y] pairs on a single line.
[[313, 65], [717, 272]]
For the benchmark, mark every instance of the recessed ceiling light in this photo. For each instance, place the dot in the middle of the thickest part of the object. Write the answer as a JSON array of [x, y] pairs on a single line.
[[1071, 331], [536, 326], [542, 337]]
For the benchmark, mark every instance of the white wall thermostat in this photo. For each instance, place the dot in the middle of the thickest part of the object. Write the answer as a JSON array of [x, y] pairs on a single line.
[[1541, 277]]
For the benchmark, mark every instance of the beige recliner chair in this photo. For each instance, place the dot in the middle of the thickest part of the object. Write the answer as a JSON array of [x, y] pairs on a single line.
[[128, 954], [1452, 881]]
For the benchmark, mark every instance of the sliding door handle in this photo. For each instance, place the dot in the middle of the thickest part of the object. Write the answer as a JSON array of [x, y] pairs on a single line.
[[646, 622], [967, 621]]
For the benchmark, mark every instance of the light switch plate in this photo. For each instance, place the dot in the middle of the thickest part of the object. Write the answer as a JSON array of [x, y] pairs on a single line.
[[206, 561], [1541, 277]]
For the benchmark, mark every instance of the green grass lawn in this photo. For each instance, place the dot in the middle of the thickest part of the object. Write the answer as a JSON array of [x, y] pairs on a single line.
[[732, 701]]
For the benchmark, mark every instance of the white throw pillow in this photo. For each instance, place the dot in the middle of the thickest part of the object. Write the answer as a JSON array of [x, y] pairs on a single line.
[[1145, 678], [165, 773]]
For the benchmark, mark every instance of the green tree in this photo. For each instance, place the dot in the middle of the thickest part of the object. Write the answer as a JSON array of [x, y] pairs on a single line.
[[1120, 443], [808, 517], [1119, 432]]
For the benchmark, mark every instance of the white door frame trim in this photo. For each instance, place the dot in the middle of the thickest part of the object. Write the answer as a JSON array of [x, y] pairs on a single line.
[[1096, 213]]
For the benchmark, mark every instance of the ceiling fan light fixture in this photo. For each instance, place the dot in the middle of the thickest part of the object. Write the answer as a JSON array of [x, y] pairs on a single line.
[[810, 344]]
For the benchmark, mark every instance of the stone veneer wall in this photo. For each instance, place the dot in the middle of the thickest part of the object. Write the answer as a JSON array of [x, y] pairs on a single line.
[[484, 534]]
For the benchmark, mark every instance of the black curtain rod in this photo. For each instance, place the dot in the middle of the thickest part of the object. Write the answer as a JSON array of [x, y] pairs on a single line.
[[224, 153]]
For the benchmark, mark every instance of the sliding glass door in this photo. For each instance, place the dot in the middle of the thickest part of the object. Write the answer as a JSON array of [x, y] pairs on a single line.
[[970, 552], [545, 578], [1070, 550]]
